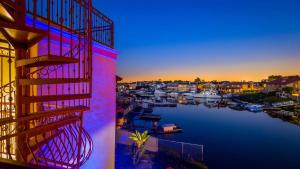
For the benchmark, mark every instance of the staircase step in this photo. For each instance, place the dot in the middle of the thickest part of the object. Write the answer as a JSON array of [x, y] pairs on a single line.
[[4, 14], [6, 120], [47, 60], [43, 128], [50, 127], [46, 113], [34, 99], [41, 140], [52, 81], [57, 112], [22, 35]]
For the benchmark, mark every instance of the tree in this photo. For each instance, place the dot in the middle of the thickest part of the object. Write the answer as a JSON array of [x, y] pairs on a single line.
[[288, 90], [139, 139], [197, 80], [274, 77]]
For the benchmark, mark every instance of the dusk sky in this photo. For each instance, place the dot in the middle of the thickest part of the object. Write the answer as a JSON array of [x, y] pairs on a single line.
[[210, 39]]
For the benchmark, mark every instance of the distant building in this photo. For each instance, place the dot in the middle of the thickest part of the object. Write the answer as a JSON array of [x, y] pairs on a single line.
[[200, 86], [132, 86], [240, 87], [172, 86], [121, 87], [286, 81], [187, 87], [140, 84]]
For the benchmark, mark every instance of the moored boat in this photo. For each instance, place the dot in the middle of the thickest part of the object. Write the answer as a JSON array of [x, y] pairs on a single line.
[[168, 128], [160, 93], [208, 94], [254, 107]]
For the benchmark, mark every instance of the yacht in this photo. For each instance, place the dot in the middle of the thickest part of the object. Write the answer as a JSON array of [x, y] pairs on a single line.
[[173, 94], [208, 94], [160, 93], [188, 96]]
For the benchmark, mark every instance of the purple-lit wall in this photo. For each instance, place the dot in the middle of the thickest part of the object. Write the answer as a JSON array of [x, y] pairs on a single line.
[[100, 122]]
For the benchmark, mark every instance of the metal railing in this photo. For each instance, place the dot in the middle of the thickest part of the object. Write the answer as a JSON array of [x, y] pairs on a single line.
[[51, 138], [61, 148], [187, 151], [72, 16], [7, 96], [102, 29]]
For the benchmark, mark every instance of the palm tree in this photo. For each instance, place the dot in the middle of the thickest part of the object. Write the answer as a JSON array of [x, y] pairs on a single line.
[[140, 139]]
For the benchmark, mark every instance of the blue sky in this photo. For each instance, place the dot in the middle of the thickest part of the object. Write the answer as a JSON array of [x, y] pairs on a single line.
[[212, 39]]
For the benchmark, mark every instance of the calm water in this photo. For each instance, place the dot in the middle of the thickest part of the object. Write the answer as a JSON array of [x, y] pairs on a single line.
[[236, 139]]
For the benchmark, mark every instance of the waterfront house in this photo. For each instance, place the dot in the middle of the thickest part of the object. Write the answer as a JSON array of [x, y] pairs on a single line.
[[57, 74], [200, 86], [122, 87], [172, 86], [132, 86], [240, 87], [211, 86], [292, 82], [187, 87]]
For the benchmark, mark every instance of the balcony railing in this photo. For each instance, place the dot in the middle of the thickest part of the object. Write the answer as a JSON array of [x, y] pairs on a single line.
[[102, 29], [72, 16]]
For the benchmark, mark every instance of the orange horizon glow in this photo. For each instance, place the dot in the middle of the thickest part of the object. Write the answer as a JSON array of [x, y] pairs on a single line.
[[235, 72], [242, 72], [192, 78]]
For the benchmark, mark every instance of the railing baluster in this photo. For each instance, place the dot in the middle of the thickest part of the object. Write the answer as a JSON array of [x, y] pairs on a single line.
[[84, 25], [10, 79]]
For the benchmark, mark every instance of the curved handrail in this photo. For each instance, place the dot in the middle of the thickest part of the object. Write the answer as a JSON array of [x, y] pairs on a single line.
[[66, 143], [12, 83]]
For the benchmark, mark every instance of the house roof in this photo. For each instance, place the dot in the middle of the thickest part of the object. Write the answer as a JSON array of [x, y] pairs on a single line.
[[118, 78], [285, 80]]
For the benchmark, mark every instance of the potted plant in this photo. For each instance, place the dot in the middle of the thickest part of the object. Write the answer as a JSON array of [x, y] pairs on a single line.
[[139, 144]]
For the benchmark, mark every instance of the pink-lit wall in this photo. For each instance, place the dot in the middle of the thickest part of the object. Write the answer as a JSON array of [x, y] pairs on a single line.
[[100, 122]]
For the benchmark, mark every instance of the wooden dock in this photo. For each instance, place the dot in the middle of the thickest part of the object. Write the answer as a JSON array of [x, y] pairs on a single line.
[[151, 117]]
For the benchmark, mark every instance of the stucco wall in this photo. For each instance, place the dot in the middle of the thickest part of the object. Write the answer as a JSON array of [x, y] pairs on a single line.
[[100, 122]]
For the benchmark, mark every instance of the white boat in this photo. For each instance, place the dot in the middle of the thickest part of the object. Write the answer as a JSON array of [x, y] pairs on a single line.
[[188, 96], [145, 105], [160, 93], [173, 94], [226, 96], [283, 104], [208, 94], [285, 113], [254, 107], [158, 99]]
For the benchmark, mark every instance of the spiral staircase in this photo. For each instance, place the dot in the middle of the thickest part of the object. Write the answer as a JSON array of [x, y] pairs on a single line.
[[45, 57]]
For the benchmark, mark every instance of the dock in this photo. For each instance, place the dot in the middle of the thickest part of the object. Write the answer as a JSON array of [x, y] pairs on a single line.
[[166, 104], [239, 101], [271, 108], [160, 104], [152, 117]]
